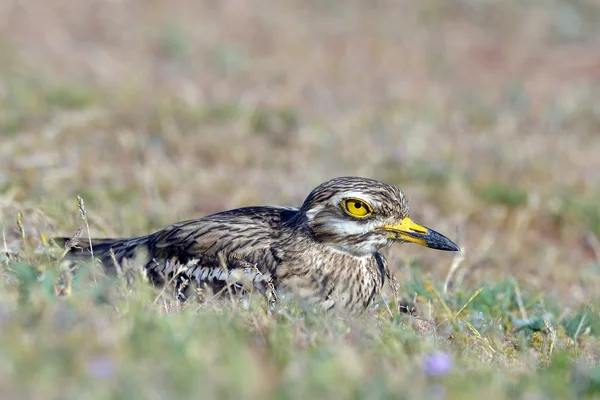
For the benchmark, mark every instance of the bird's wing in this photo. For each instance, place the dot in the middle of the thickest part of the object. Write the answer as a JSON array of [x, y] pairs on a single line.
[[242, 234], [231, 246], [234, 245], [240, 241]]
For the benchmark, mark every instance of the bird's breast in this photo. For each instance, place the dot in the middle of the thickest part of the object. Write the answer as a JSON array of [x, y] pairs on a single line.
[[332, 278]]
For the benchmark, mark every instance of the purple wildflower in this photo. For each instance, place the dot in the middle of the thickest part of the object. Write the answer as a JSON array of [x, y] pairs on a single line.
[[437, 364], [100, 367]]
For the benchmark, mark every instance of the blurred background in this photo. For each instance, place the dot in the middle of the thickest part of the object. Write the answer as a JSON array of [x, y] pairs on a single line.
[[486, 113]]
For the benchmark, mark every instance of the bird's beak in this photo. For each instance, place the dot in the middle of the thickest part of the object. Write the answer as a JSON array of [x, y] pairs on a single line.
[[409, 231]]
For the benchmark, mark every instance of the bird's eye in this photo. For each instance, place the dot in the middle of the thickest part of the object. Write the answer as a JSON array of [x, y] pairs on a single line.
[[357, 208]]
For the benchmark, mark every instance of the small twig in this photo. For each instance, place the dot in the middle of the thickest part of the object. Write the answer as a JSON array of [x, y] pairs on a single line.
[[165, 305], [5, 244], [579, 328], [65, 284], [413, 309], [437, 296], [83, 214], [176, 274], [387, 305], [223, 265], [483, 340], [118, 268], [519, 300], [456, 261], [216, 295], [468, 302], [552, 337], [393, 283], [270, 292], [72, 242], [20, 226]]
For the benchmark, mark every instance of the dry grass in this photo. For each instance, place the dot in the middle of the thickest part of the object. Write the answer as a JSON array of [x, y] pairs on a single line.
[[485, 113]]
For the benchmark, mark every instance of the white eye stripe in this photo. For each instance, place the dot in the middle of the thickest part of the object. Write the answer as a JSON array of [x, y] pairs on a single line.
[[350, 228], [337, 199]]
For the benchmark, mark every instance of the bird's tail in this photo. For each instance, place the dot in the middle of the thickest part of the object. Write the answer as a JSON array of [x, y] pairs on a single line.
[[111, 252]]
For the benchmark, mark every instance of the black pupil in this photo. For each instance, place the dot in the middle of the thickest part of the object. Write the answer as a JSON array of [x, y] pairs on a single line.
[[358, 204]]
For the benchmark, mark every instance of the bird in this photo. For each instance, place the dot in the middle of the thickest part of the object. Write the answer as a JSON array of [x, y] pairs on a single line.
[[326, 252]]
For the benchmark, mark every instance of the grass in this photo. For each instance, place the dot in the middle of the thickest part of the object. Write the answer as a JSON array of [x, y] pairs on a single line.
[[484, 113], [106, 338]]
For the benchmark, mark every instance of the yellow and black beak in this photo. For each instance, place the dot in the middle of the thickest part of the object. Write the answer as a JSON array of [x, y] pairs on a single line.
[[408, 231]]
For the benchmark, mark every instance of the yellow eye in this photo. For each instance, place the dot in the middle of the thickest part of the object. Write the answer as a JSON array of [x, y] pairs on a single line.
[[357, 208]]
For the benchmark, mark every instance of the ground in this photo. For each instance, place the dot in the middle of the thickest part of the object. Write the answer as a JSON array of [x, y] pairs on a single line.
[[486, 113]]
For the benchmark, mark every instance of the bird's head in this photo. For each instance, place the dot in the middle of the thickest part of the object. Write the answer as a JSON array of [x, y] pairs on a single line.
[[360, 216]]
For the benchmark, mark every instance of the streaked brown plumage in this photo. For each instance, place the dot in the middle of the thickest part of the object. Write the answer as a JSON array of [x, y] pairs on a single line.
[[326, 251]]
